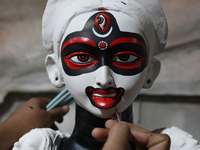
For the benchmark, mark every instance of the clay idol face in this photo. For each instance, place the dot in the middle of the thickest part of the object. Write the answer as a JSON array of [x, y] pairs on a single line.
[[104, 59]]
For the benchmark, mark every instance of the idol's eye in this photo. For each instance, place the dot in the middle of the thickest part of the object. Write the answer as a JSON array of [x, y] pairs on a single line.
[[127, 60], [82, 58], [124, 57], [79, 60]]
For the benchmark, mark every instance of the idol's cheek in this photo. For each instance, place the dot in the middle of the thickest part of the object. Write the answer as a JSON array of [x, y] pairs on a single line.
[[104, 99], [132, 86]]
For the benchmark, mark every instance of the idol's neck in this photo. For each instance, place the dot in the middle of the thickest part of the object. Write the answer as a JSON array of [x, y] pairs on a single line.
[[81, 138]]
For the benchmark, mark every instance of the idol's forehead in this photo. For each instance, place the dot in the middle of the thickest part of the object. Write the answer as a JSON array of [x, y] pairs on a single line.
[[125, 23]]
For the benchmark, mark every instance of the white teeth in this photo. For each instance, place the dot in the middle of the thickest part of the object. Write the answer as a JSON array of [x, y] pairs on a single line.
[[106, 95]]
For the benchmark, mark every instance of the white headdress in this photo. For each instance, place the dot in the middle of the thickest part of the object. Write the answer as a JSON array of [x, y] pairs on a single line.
[[58, 14]]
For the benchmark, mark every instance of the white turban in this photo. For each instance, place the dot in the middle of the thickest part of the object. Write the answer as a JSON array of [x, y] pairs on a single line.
[[59, 13]]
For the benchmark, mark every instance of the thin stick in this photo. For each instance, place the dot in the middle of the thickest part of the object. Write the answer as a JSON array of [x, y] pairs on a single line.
[[118, 114]]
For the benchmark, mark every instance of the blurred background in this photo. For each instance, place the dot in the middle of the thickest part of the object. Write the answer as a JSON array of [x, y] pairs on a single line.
[[174, 99]]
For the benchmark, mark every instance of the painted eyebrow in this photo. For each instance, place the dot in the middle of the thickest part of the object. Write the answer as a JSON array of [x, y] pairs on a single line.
[[79, 40], [128, 40]]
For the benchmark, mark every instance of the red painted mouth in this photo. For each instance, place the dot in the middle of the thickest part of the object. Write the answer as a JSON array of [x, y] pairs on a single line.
[[104, 99]]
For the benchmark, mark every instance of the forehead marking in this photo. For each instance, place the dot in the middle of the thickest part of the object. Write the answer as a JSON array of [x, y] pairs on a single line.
[[103, 45], [102, 22]]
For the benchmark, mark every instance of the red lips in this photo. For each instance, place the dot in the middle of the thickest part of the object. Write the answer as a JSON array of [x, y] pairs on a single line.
[[104, 99]]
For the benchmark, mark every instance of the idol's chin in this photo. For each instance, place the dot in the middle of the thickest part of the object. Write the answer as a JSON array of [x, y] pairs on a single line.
[[105, 113], [98, 112]]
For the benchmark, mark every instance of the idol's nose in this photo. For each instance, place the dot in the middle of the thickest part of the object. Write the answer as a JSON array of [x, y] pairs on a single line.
[[104, 77]]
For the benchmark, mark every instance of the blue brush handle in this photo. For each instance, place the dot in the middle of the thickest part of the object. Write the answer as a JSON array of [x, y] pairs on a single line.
[[63, 98]]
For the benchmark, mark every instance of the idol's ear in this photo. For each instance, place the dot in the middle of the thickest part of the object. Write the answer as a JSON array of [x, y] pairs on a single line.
[[152, 73], [53, 71]]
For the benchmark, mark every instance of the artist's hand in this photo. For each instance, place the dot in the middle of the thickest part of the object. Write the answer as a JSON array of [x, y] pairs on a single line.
[[32, 114], [118, 135]]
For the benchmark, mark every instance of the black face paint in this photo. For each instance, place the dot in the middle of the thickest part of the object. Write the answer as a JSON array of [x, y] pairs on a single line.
[[101, 43]]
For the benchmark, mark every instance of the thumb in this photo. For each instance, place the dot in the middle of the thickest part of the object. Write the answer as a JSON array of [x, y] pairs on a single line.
[[58, 112]]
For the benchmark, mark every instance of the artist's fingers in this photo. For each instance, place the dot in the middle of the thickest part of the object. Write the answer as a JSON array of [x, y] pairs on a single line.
[[143, 137], [54, 127], [151, 141], [118, 137], [110, 123], [44, 102], [100, 134], [38, 102], [58, 112], [60, 120]]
